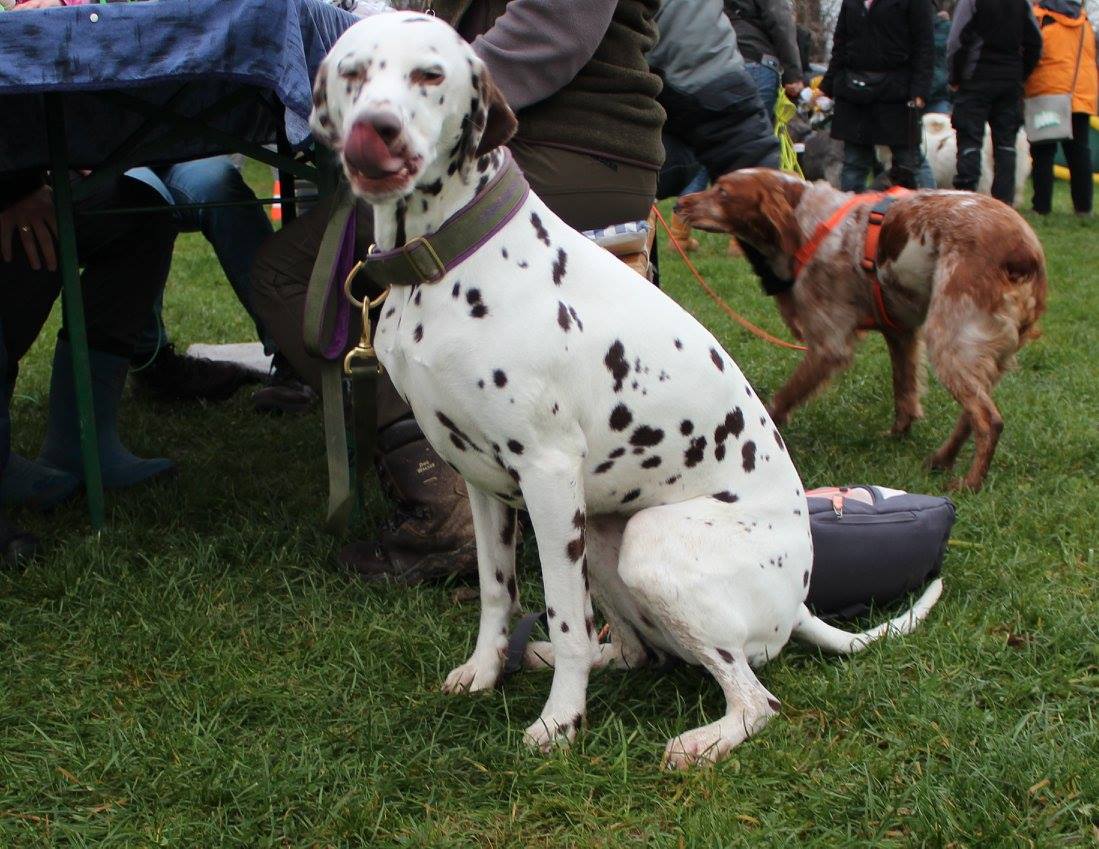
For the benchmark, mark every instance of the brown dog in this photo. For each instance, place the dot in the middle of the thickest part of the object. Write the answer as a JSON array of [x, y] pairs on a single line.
[[962, 271]]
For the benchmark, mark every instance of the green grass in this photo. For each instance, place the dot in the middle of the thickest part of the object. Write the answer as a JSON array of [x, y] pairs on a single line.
[[201, 674]]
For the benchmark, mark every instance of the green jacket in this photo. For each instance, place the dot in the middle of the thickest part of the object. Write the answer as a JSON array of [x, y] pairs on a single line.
[[576, 74]]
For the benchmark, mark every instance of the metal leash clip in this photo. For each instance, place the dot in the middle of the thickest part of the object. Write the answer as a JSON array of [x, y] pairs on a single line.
[[362, 360]]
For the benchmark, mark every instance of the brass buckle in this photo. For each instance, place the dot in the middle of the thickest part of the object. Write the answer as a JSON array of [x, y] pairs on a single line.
[[440, 266], [365, 349]]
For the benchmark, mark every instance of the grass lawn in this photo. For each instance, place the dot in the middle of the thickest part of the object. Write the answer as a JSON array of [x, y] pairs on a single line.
[[202, 675]]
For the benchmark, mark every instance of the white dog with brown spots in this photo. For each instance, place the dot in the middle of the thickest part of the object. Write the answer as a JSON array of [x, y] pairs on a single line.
[[554, 378]]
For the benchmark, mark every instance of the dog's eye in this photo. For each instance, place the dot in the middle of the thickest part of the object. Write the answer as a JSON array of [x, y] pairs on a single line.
[[350, 69], [427, 76]]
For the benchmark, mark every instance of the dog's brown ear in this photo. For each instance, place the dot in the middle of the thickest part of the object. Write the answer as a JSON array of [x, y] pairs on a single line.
[[320, 120], [776, 207], [499, 122]]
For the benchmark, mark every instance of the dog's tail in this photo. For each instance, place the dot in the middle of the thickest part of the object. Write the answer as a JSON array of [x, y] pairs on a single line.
[[816, 632]]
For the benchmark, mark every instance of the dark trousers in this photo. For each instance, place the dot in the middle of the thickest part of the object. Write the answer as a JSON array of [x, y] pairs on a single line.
[[125, 260], [997, 103], [1077, 155], [584, 191]]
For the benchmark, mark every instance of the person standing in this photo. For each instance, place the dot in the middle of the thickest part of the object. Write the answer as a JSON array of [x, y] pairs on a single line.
[[993, 47], [716, 122], [880, 77], [766, 32], [1067, 66]]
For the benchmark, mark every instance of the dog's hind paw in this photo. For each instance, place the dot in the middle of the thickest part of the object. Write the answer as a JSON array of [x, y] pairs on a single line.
[[472, 676], [549, 732]]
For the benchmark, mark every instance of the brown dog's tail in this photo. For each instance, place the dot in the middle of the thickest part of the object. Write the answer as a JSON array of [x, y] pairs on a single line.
[[1025, 269]]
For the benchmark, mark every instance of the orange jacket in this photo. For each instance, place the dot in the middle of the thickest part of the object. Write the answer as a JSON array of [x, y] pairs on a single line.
[[1061, 45]]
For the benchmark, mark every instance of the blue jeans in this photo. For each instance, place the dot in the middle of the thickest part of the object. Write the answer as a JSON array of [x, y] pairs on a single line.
[[766, 77], [859, 162], [234, 232], [698, 183]]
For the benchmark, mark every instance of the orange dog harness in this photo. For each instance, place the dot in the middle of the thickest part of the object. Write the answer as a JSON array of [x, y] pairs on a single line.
[[869, 262]]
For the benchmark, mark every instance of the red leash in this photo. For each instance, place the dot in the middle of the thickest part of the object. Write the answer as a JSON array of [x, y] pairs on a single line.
[[716, 298]]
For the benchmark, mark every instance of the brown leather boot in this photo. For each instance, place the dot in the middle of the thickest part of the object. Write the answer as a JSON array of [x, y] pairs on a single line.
[[681, 231], [430, 534]]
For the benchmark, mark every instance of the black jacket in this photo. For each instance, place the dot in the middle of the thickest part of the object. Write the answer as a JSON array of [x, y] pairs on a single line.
[[767, 27], [881, 59], [993, 40], [712, 104]]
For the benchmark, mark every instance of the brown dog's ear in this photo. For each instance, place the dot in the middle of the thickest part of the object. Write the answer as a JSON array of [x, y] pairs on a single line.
[[778, 212], [498, 122]]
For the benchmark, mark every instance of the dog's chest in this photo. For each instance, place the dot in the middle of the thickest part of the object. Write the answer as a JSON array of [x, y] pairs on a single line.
[[615, 373]]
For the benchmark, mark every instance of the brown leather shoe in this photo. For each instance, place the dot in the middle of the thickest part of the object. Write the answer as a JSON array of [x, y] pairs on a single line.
[[430, 535]]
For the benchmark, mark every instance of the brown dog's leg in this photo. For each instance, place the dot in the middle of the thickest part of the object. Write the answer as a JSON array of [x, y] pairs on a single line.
[[969, 372], [811, 375], [789, 312], [944, 458], [906, 354]]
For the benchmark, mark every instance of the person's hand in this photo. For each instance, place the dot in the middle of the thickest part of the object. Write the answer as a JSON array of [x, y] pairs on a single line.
[[919, 102], [794, 89], [36, 4], [33, 219], [953, 87]]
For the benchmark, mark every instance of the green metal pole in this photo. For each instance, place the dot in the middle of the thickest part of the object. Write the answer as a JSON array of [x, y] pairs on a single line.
[[74, 305]]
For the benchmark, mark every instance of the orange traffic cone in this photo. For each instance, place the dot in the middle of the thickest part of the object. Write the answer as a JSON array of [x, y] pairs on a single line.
[[276, 208]]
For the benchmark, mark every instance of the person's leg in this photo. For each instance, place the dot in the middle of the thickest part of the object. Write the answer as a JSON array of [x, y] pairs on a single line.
[[235, 233], [682, 174], [767, 80], [126, 260], [154, 335], [699, 183], [280, 279], [680, 171], [26, 297], [1078, 157], [857, 162], [971, 104], [1005, 118], [906, 166], [1041, 175]]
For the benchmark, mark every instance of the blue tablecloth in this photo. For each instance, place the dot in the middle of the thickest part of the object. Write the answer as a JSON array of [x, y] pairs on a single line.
[[152, 49]]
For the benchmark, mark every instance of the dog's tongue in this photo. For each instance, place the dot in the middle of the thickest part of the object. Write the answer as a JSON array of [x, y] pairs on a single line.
[[367, 152]]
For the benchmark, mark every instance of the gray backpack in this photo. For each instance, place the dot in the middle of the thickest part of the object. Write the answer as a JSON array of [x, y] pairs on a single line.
[[872, 546]]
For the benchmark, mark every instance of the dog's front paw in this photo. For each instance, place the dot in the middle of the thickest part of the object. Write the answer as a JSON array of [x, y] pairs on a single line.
[[550, 731], [475, 675], [939, 462]]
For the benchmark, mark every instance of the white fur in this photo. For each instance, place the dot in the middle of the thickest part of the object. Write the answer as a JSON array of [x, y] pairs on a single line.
[[941, 147], [521, 401]]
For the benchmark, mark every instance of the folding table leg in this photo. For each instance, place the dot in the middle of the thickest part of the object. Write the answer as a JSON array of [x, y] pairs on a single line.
[[74, 306]]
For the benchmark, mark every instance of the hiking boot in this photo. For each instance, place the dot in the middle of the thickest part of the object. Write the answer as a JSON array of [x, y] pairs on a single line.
[[284, 392], [174, 377], [430, 534], [681, 232], [16, 546]]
